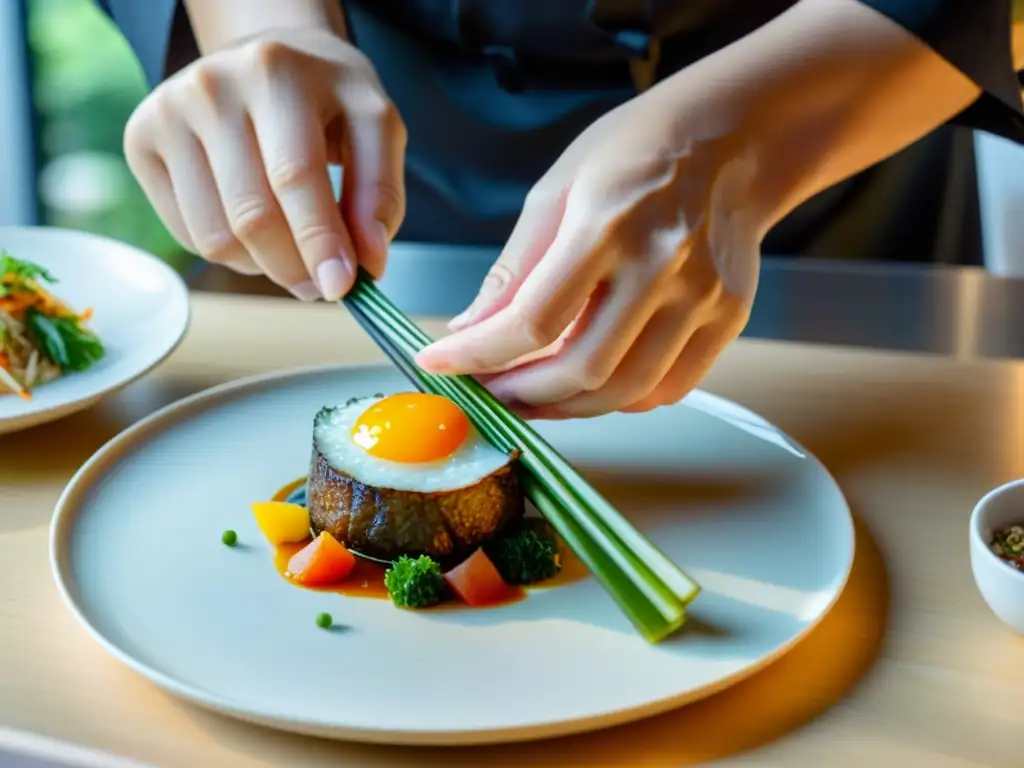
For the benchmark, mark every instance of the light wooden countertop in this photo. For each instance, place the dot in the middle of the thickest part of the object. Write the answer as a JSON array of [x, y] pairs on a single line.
[[909, 669], [1018, 36]]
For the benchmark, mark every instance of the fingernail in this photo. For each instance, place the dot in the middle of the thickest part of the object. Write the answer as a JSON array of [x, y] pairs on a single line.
[[306, 291], [335, 277]]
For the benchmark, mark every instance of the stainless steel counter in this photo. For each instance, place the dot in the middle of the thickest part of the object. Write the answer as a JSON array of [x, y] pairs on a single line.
[[950, 311]]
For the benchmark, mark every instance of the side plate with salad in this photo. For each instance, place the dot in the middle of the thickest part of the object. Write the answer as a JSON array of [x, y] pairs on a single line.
[[80, 317]]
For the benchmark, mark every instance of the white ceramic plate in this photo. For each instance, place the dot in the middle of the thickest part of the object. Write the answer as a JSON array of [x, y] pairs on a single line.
[[136, 552], [140, 313]]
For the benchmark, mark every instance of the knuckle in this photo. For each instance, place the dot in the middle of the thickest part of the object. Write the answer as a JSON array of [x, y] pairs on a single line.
[[246, 268], [249, 216], [537, 332], [499, 278], [268, 56], [151, 111], [588, 199], [141, 139], [391, 202], [136, 142], [138, 120], [312, 236], [290, 174], [592, 373], [541, 196], [375, 106], [665, 260], [217, 247], [203, 84], [164, 110], [392, 121]]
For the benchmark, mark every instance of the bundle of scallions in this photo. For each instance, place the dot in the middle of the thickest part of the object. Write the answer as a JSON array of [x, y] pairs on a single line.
[[649, 588]]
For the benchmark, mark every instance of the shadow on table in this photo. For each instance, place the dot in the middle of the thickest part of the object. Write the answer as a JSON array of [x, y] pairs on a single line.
[[787, 695]]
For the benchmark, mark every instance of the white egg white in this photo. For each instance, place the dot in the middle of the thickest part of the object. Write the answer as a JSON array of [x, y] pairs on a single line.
[[474, 460]]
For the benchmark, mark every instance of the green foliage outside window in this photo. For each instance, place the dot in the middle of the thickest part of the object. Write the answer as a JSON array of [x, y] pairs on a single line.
[[86, 84]]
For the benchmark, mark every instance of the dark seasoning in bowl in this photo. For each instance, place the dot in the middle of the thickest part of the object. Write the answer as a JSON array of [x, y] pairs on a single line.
[[1008, 544]]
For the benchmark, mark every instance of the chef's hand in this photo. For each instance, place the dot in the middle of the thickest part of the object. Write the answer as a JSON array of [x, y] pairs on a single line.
[[632, 265], [233, 151]]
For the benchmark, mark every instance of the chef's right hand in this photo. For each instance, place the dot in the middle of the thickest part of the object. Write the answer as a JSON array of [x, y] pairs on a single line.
[[233, 151]]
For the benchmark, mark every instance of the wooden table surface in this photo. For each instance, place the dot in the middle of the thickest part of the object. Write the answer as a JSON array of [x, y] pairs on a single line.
[[909, 669]]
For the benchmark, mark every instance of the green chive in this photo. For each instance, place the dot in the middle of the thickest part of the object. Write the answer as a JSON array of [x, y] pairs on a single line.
[[649, 588]]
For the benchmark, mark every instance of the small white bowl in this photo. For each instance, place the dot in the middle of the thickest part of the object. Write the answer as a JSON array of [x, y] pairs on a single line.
[[1000, 584]]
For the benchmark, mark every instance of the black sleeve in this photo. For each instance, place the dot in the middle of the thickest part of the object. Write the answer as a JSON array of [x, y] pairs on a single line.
[[975, 36], [147, 26]]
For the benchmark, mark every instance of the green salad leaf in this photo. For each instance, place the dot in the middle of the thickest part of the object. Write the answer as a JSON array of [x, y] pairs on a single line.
[[24, 270], [65, 341], [17, 273]]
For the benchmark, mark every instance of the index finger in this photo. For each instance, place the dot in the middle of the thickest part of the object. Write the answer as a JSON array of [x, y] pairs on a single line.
[[374, 182], [547, 303], [294, 151]]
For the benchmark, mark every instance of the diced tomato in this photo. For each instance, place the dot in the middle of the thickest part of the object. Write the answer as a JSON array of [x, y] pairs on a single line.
[[477, 582], [321, 562]]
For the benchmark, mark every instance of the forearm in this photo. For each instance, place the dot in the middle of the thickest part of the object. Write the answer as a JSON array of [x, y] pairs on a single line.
[[823, 91], [221, 23]]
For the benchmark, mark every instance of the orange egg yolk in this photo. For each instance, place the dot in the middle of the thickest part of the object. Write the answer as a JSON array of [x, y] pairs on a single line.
[[413, 428]]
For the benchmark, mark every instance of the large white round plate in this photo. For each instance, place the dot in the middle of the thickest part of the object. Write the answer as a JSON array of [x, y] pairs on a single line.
[[136, 552], [140, 310]]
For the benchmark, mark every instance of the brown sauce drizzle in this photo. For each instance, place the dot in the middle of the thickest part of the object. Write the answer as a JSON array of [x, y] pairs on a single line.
[[367, 579]]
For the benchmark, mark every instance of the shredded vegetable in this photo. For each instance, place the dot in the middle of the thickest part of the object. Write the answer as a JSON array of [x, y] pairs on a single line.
[[41, 338]]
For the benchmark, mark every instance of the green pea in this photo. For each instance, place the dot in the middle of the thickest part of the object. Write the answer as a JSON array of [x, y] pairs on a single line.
[[229, 538], [324, 620]]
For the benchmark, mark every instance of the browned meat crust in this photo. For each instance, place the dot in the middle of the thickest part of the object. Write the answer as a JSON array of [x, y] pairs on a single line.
[[386, 522]]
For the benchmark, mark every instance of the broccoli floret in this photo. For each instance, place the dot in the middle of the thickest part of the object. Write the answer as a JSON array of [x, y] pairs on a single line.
[[415, 582], [525, 556]]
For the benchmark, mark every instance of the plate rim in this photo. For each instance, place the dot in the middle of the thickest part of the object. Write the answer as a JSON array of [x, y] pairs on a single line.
[[68, 507], [38, 416]]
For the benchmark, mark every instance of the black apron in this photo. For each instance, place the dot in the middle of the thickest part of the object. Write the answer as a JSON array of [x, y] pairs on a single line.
[[493, 91]]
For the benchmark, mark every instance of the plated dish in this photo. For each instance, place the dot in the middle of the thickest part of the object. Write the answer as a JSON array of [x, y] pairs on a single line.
[[41, 337], [80, 316], [406, 500], [766, 532]]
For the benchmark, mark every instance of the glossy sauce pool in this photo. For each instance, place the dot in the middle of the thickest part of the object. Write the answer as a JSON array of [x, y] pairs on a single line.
[[367, 579]]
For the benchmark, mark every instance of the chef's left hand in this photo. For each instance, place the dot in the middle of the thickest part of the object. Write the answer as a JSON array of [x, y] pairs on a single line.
[[631, 267]]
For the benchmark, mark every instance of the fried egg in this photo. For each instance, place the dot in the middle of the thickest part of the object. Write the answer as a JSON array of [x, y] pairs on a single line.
[[409, 441]]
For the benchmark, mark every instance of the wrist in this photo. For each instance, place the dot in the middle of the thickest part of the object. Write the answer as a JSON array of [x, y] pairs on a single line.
[[766, 138], [821, 92], [220, 24]]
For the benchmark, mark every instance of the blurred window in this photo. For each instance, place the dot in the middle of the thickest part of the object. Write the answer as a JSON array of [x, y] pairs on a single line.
[[85, 84]]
